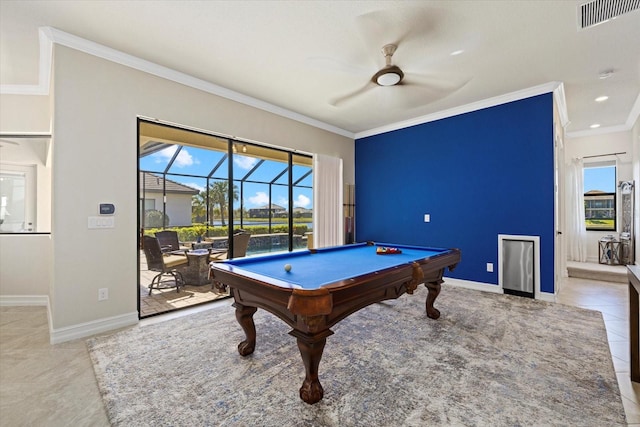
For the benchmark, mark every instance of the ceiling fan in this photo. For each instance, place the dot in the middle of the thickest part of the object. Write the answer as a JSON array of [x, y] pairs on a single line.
[[430, 88]]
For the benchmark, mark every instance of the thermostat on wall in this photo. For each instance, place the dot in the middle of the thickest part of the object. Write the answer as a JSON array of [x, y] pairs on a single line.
[[107, 209]]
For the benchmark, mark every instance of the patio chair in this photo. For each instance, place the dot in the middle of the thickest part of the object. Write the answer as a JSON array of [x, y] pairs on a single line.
[[240, 245], [169, 241], [164, 264]]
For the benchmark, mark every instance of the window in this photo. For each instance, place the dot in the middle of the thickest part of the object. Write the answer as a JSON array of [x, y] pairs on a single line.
[[600, 196]]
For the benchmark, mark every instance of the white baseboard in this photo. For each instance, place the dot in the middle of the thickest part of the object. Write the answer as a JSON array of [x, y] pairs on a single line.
[[82, 330], [488, 287], [87, 329], [546, 296], [24, 300], [477, 286]]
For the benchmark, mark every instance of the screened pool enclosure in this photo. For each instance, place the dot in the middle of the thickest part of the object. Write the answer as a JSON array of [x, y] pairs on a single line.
[[206, 187]]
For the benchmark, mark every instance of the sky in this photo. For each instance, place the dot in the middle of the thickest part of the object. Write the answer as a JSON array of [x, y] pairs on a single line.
[[600, 178], [200, 162]]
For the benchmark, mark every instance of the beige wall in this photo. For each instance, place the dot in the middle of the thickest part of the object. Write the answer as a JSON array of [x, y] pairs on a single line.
[[25, 268], [96, 103], [596, 145], [25, 113]]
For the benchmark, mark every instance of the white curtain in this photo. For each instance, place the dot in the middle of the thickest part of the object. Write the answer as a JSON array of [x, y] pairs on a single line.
[[327, 201], [576, 229]]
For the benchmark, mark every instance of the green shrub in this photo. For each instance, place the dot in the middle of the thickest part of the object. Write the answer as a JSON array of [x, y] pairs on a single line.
[[191, 233], [155, 218]]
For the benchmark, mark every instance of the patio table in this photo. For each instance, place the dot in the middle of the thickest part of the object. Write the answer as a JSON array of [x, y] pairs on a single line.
[[197, 272]]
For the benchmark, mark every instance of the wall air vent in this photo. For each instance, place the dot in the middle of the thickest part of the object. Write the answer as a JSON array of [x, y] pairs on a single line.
[[598, 11]]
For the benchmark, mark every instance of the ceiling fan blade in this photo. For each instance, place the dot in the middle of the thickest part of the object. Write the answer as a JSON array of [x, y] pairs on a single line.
[[397, 26], [416, 93], [434, 83], [338, 102], [333, 64]]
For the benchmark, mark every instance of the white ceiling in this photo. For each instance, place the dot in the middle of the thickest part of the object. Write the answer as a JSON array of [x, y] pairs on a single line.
[[302, 56]]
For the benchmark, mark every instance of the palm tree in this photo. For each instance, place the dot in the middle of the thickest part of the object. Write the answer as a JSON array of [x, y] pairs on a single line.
[[199, 207], [218, 192]]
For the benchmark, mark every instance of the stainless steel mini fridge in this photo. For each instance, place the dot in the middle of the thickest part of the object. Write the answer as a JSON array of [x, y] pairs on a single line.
[[517, 267]]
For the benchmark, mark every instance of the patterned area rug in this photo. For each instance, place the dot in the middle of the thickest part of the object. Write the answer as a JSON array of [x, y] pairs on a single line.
[[490, 360]]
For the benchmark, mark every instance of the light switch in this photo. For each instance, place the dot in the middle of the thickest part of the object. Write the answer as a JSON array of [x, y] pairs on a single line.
[[427, 218], [95, 222]]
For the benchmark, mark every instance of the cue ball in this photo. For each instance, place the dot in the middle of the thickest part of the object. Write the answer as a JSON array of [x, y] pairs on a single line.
[[287, 267]]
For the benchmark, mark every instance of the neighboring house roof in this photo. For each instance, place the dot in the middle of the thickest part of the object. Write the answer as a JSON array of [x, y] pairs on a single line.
[[153, 182], [595, 192], [299, 209], [272, 206]]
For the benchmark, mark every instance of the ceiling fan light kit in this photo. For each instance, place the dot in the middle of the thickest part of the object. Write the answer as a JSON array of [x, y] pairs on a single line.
[[390, 75]]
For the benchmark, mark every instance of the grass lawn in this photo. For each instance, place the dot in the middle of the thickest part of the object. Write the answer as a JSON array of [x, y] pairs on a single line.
[[600, 224]]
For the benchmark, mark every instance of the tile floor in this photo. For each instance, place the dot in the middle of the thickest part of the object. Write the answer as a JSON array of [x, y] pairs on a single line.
[[54, 385], [612, 300]]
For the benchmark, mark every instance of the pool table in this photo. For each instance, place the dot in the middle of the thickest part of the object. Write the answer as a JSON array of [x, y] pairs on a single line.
[[325, 286]]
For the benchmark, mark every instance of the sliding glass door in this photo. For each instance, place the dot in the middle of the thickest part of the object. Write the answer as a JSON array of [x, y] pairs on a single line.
[[207, 188]]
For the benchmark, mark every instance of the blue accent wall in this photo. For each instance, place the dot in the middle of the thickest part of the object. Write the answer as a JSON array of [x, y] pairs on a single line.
[[478, 174]]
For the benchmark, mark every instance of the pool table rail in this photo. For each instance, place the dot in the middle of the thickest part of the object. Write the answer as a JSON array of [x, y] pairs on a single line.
[[300, 308]]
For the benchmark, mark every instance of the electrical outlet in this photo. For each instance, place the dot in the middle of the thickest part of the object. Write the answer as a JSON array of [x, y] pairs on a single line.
[[490, 267], [103, 294]]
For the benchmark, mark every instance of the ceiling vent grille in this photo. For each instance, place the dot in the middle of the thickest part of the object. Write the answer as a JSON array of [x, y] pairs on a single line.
[[598, 11]]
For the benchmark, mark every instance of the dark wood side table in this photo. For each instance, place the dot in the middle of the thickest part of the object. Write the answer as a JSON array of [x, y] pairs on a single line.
[[633, 273]]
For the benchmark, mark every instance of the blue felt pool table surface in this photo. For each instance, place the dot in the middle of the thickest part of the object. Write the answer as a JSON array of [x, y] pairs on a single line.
[[314, 269]]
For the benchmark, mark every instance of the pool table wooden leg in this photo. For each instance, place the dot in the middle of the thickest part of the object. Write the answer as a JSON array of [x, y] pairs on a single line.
[[311, 390], [244, 315], [434, 291], [311, 348]]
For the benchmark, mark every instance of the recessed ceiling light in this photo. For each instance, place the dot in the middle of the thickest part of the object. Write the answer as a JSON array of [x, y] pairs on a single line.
[[602, 98], [456, 52], [595, 126]]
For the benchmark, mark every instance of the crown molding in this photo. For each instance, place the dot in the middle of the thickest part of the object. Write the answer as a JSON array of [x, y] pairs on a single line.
[[634, 113], [50, 35], [474, 106]]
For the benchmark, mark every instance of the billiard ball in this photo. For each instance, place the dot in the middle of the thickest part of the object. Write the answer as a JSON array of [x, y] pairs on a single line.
[[287, 267]]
